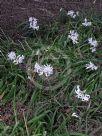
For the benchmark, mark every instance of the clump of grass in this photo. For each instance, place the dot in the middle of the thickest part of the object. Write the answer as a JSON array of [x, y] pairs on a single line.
[[51, 101]]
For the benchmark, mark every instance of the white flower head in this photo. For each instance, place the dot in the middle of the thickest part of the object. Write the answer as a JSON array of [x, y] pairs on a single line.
[[14, 58], [85, 97], [77, 90], [75, 115], [29, 77], [73, 14], [86, 23], [93, 49], [19, 59], [70, 13], [93, 44], [81, 94], [73, 35], [11, 55], [38, 69], [33, 23], [91, 66], [48, 70]]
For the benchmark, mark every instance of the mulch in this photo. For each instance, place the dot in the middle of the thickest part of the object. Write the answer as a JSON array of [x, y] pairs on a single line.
[[14, 12]]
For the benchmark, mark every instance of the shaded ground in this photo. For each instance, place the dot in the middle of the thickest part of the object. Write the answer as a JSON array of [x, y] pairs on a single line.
[[13, 12], [7, 113]]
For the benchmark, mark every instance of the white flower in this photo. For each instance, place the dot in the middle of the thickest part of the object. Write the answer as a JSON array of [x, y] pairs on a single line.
[[81, 94], [38, 69], [85, 97], [72, 14], [19, 59], [14, 58], [77, 90], [29, 77], [86, 23], [75, 115], [48, 70], [11, 55], [93, 44], [33, 23], [93, 49], [73, 36], [91, 66]]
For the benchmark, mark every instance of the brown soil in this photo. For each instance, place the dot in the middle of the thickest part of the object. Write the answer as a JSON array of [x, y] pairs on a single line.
[[7, 113], [14, 12]]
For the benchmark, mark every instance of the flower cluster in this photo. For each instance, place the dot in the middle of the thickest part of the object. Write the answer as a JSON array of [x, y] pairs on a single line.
[[81, 94], [14, 58], [33, 23], [73, 35], [73, 14], [86, 23], [46, 70], [91, 66], [93, 44]]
